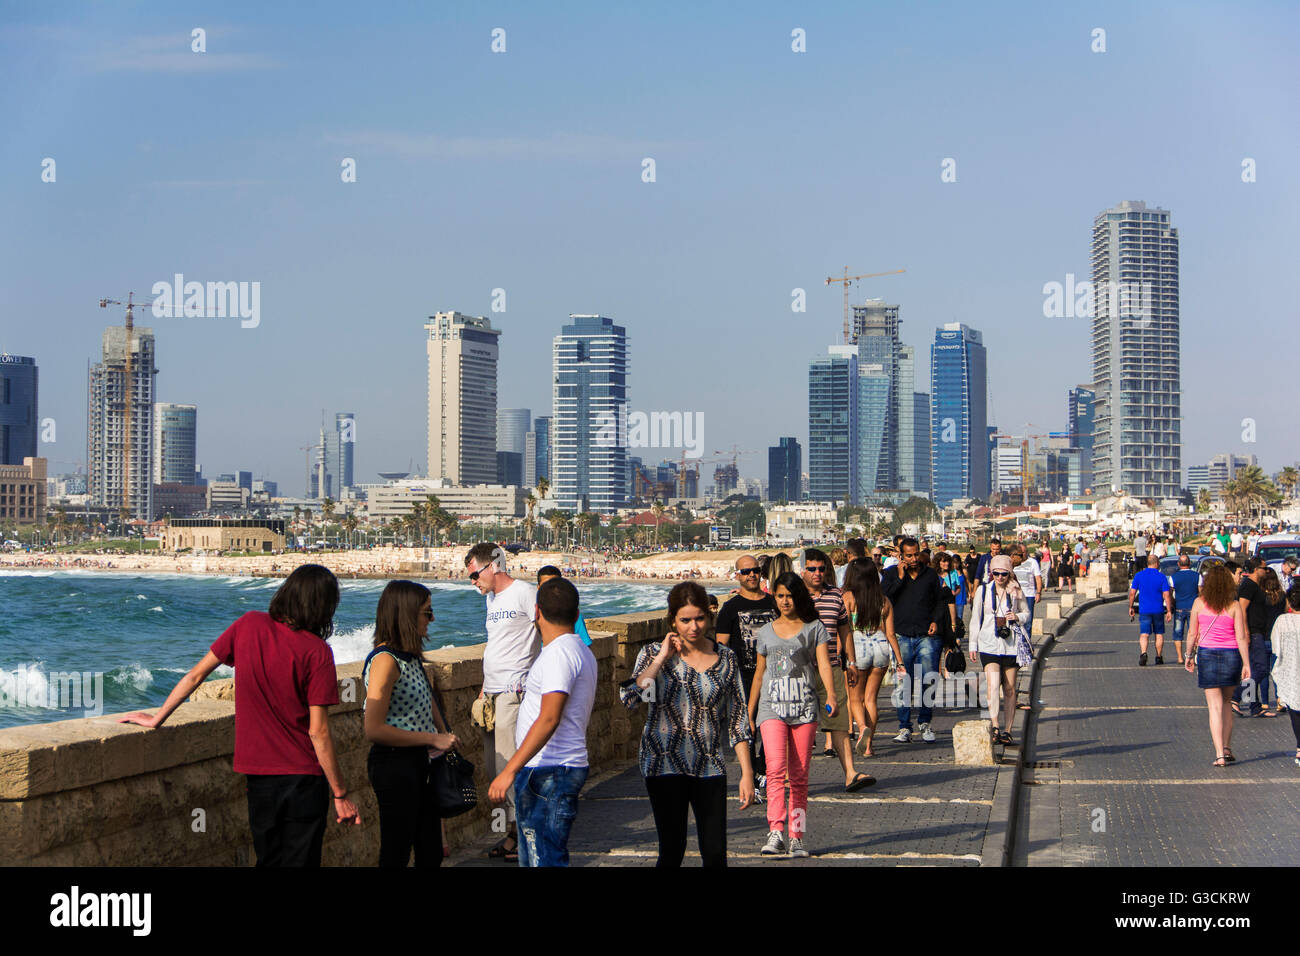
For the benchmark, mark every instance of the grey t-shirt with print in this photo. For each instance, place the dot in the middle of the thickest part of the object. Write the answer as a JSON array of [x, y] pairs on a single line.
[[789, 690]]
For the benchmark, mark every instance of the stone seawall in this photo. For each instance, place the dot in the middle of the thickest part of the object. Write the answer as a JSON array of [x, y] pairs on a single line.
[[93, 792]]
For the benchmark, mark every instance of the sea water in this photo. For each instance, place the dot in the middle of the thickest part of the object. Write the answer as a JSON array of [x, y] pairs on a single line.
[[138, 633]]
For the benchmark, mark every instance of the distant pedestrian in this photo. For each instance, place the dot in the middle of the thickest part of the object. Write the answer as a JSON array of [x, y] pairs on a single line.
[[875, 645], [1186, 587], [992, 641], [982, 567], [697, 711], [544, 574], [1029, 574], [1275, 607], [783, 706], [1286, 666], [1218, 650], [917, 597], [1255, 607], [779, 565], [284, 684], [1155, 605]]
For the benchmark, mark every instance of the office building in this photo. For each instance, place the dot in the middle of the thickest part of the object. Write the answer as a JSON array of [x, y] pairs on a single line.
[[462, 354], [340, 448], [510, 468], [118, 478], [833, 425], [876, 328], [175, 440], [24, 491], [1135, 352], [19, 400], [396, 499], [1009, 465], [913, 428], [959, 414], [513, 425], [588, 440], [784, 463], [537, 451]]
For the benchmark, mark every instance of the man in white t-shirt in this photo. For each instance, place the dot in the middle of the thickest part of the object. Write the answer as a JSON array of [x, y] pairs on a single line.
[[549, 766], [1030, 575], [512, 646]]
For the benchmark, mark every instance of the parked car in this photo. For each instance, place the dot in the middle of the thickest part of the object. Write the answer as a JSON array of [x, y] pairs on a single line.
[[1200, 563], [1273, 549]]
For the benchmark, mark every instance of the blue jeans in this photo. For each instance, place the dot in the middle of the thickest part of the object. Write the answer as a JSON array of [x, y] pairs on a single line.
[[920, 653], [1030, 602], [1181, 621], [1259, 667], [546, 801]]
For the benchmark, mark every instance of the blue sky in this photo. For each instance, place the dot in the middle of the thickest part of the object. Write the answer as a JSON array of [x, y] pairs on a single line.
[[522, 171]]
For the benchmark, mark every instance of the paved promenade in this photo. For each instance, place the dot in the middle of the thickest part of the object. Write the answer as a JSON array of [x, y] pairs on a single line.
[[924, 810], [1118, 765]]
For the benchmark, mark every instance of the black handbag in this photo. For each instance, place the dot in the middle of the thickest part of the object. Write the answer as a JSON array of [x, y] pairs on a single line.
[[954, 662], [451, 780]]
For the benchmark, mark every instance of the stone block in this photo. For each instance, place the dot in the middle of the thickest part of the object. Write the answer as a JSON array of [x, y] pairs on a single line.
[[1068, 601], [1051, 612], [972, 743]]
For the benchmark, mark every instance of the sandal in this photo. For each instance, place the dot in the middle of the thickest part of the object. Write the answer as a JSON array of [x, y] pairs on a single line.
[[860, 781], [1227, 755], [1219, 762], [1269, 713], [502, 852], [1236, 709]]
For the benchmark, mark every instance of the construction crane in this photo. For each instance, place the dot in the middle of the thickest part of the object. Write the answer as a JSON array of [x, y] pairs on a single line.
[[130, 304], [1022, 472], [848, 280]]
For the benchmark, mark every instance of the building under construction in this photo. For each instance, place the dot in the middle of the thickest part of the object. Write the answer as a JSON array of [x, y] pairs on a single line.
[[114, 459]]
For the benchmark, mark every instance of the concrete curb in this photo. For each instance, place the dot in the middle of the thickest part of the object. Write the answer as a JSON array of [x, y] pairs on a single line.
[[998, 846]]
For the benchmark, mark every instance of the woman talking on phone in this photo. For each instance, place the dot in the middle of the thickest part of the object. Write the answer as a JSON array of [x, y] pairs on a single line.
[[697, 709]]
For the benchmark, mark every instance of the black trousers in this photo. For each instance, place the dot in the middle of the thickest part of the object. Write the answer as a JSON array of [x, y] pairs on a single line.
[[287, 813], [407, 815], [756, 758], [670, 798]]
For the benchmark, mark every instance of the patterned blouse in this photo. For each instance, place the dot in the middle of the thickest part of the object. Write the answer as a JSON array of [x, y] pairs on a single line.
[[691, 714]]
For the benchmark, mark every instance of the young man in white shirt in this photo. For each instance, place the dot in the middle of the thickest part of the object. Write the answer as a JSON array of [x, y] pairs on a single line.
[[549, 765], [512, 646]]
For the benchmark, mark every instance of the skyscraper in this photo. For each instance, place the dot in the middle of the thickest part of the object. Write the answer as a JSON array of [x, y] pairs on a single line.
[[340, 447], [833, 425], [18, 408], [175, 436], [1135, 352], [512, 429], [588, 438], [1082, 417], [542, 448], [462, 353], [913, 428], [784, 463], [109, 472], [876, 334], [959, 414]]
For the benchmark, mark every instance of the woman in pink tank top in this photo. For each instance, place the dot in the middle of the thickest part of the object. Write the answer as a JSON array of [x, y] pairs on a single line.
[[1218, 651]]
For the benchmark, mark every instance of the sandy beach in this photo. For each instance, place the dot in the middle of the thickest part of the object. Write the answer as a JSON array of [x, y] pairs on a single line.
[[711, 568]]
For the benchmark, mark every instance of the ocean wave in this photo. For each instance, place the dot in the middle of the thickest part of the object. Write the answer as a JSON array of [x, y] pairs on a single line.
[[354, 645], [134, 676], [158, 609]]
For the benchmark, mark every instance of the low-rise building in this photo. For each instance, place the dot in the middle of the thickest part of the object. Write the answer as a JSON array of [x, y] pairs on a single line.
[[224, 534], [789, 523], [478, 501], [23, 491]]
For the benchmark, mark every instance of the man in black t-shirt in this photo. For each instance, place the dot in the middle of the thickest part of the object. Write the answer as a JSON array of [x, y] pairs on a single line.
[[739, 621], [1251, 598]]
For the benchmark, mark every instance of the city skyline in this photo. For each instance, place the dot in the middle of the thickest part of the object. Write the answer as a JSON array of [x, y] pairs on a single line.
[[759, 190]]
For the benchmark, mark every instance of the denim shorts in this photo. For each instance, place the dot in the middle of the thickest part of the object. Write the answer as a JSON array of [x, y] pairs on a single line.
[[1151, 623], [1218, 667], [872, 650]]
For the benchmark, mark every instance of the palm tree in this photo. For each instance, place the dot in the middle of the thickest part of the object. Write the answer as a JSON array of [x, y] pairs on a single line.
[[1288, 478], [658, 510], [1203, 500], [588, 521], [614, 522], [558, 519], [531, 502], [350, 525], [326, 511]]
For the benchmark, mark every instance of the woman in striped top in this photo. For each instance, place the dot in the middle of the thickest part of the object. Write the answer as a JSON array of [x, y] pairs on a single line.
[[696, 708]]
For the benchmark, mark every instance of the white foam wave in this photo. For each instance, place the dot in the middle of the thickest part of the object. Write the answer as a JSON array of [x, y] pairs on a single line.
[[158, 609], [141, 597], [134, 675], [353, 645]]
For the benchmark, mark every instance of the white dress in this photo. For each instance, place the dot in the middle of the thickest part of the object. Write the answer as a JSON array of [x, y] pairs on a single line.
[[1286, 672]]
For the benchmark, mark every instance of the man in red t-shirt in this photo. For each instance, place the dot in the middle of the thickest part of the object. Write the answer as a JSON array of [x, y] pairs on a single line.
[[284, 681]]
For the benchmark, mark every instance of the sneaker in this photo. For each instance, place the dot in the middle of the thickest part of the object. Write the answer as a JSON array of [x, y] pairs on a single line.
[[775, 844], [797, 847], [1142, 660], [926, 733], [760, 795], [1159, 659], [904, 736]]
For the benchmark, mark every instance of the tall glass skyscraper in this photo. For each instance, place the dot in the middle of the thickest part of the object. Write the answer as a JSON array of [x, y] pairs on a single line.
[[833, 426], [784, 465], [18, 408], [512, 429], [589, 424], [913, 428], [1135, 352], [541, 460], [175, 434], [1082, 413], [876, 334], [959, 414], [109, 473], [340, 447]]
